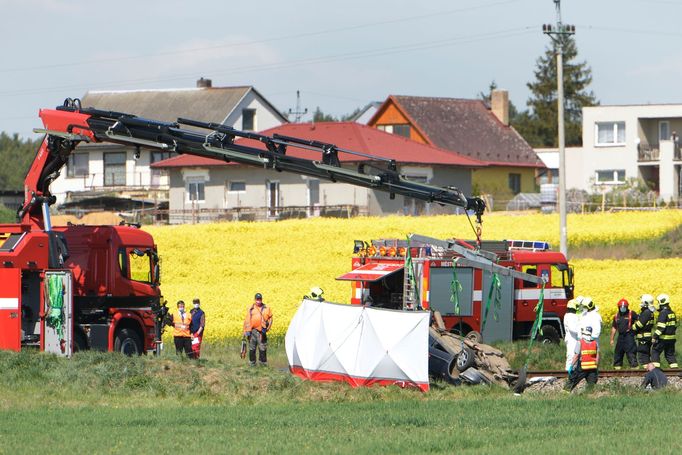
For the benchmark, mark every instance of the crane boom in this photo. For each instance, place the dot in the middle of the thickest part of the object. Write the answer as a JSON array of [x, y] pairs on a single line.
[[68, 125]]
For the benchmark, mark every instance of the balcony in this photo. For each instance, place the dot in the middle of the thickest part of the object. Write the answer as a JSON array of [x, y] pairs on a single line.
[[648, 153]]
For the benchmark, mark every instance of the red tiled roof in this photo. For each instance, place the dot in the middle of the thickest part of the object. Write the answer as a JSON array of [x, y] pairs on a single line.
[[467, 127], [347, 135]]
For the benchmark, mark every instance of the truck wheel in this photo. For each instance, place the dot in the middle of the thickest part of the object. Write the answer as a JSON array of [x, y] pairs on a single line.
[[465, 359], [128, 342], [474, 336], [80, 343], [549, 335]]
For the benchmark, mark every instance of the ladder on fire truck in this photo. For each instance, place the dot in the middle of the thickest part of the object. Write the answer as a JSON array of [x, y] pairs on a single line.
[[70, 124]]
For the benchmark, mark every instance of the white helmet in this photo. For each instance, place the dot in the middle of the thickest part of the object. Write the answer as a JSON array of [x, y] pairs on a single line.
[[587, 303], [647, 300], [663, 300]]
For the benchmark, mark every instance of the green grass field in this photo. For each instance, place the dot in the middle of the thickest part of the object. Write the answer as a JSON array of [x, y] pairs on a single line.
[[106, 403]]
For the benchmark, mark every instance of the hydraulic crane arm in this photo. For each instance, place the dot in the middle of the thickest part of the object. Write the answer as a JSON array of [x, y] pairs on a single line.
[[70, 124]]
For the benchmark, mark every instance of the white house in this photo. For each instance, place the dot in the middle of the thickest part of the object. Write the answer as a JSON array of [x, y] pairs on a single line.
[[109, 169], [630, 141]]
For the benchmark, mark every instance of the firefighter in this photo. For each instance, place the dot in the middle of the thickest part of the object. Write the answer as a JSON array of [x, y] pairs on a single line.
[[643, 329], [181, 333], [622, 324], [591, 317], [585, 363], [256, 326], [655, 378], [197, 327], [572, 327], [664, 337]]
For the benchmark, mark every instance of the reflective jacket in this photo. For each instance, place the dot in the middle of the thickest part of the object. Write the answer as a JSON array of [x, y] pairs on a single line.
[[644, 325], [588, 355], [666, 325], [181, 324], [258, 318]]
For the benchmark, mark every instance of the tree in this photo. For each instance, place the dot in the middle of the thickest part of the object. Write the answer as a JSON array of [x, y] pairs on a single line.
[[319, 116], [16, 156], [539, 125]]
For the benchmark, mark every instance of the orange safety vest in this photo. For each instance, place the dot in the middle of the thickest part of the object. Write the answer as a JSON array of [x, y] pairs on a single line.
[[181, 325], [257, 318], [588, 355]]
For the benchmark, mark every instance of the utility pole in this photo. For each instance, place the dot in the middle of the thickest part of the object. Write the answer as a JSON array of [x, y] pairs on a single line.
[[557, 33], [298, 113]]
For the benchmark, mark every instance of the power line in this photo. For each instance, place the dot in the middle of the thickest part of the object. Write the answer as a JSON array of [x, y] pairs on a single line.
[[262, 41], [295, 63], [608, 28]]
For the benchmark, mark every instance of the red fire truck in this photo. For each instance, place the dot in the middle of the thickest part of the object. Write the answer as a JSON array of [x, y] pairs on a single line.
[[379, 278], [97, 287]]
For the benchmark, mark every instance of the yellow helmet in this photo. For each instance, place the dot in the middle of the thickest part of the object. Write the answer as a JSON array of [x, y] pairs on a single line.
[[316, 292], [572, 304]]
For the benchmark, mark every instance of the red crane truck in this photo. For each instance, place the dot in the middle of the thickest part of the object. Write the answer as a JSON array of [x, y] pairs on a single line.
[[97, 287], [379, 278]]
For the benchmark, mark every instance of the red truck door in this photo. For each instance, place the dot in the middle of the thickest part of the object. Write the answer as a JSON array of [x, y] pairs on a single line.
[[10, 309]]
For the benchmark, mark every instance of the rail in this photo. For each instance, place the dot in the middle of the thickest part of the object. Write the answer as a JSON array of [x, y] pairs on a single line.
[[603, 373]]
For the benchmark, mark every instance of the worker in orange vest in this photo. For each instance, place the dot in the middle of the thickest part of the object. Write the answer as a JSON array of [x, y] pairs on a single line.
[[181, 334], [256, 326], [585, 362]]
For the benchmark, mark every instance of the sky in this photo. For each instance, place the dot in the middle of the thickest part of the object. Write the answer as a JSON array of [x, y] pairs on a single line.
[[340, 55]]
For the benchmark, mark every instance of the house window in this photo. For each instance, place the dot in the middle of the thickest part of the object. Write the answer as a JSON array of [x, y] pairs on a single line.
[[313, 192], [401, 130], [664, 130], [78, 165], [515, 183], [114, 169], [160, 156], [610, 133], [195, 191], [237, 187], [611, 176], [248, 119]]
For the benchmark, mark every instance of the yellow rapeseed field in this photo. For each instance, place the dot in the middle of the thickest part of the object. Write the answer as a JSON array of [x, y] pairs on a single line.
[[225, 264]]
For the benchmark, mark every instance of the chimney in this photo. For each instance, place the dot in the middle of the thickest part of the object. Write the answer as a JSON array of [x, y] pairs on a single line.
[[499, 104], [203, 83]]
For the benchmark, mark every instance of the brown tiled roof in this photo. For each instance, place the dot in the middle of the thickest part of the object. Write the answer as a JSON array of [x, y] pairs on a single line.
[[211, 104], [467, 127]]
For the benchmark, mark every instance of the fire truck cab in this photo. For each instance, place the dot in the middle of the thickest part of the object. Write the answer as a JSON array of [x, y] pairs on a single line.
[[511, 276]]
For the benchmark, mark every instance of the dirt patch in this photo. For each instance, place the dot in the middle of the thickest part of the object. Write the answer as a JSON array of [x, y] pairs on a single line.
[[605, 386]]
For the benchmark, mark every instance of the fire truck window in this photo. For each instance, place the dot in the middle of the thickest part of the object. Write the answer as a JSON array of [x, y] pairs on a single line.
[[123, 263], [557, 277], [140, 266], [531, 270]]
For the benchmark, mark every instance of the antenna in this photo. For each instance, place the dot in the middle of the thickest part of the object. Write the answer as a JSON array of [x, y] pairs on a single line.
[[298, 113]]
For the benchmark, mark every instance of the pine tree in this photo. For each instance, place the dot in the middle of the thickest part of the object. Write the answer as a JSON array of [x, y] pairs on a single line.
[[539, 125]]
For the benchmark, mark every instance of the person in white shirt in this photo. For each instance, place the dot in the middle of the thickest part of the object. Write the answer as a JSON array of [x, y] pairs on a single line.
[[572, 330], [591, 318]]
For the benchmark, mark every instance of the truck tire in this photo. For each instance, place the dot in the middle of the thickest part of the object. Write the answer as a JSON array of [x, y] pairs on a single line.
[[549, 335], [128, 342], [80, 342], [465, 359]]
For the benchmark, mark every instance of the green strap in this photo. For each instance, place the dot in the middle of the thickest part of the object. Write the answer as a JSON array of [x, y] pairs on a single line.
[[537, 325], [455, 288], [494, 295], [410, 273], [55, 315]]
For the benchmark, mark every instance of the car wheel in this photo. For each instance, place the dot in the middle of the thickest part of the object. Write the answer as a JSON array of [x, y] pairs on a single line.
[[465, 359], [474, 336]]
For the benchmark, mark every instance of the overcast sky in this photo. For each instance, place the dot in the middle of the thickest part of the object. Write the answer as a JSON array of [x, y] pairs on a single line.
[[340, 55]]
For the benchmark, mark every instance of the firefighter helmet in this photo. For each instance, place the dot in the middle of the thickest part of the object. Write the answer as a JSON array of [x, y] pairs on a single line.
[[586, 333], [587, 303], [663, 300], [647, 300], [572, 304], [316, 292], [623, 303]]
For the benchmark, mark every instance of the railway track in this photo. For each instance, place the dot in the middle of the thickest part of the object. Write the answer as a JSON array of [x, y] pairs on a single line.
[[604, 373]]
